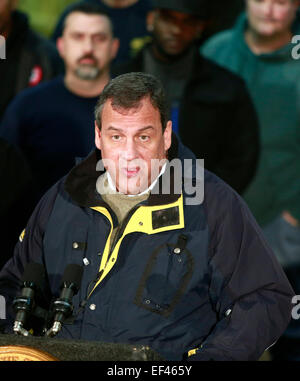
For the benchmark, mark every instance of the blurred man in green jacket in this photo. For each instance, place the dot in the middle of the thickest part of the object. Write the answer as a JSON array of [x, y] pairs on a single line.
[[259, 48]]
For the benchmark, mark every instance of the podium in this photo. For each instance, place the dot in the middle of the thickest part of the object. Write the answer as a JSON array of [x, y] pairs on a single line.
[[32, 348]]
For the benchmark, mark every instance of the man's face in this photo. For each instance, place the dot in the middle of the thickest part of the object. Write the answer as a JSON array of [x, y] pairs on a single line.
[[87, 45], [129, 141], [174, 31], [6, 8], [271, 17]]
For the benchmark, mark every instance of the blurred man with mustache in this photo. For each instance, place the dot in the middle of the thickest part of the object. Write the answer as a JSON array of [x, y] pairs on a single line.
[[53, 123]]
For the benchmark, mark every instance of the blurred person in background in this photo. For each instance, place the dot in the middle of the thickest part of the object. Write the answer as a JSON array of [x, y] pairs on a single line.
[[53, 123], [16, 194], [259, 48], [211, 109], [30, 59], [129, 21]]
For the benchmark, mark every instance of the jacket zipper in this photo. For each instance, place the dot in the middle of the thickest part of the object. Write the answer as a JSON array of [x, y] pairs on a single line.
[[121, 229]]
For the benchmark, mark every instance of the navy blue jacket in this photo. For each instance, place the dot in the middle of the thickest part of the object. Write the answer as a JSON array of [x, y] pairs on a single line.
[[59, 128], [221, 295]]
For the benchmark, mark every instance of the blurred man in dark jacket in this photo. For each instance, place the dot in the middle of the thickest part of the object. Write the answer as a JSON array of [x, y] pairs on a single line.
[[16, 196], [210, 106], [30, 59]]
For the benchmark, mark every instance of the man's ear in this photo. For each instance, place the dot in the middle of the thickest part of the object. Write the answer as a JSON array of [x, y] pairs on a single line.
[[60, 46], [115, 47], [168, 135], [97, 136], [150, 21]]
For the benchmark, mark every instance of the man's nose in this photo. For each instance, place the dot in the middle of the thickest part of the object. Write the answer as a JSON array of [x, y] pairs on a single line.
[[268, 8], [130, 150], [88, 45], [175, 28]]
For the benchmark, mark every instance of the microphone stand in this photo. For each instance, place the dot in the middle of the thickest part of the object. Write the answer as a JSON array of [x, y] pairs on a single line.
[[53, 331], [19, 330], [63, 308]]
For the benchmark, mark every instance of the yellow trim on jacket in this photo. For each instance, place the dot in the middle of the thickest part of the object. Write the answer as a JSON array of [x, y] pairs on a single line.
[[140, 221]]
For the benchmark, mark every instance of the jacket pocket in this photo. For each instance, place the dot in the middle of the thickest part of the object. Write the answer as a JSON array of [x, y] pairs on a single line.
[[165, 279]]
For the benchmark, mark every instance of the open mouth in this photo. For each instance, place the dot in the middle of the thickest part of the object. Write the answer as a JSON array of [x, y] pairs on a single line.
[[87, 61], [131, 172]]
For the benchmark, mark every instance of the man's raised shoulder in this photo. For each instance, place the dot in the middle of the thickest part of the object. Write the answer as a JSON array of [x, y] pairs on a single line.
[[212, 46]]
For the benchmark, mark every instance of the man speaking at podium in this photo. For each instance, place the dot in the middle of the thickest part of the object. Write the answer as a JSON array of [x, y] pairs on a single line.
[[186, 274]]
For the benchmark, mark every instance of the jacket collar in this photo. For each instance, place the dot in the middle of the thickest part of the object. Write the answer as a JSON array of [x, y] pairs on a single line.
[[80, 183]]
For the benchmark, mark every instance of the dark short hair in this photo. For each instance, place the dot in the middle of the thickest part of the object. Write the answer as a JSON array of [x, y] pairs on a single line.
[[127, 91], [87, 8]]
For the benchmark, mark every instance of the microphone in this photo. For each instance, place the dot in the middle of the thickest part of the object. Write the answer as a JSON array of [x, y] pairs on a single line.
[[63, 306], [33, 279]]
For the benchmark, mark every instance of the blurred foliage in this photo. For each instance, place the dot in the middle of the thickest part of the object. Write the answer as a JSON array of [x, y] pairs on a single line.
[[43, 14]]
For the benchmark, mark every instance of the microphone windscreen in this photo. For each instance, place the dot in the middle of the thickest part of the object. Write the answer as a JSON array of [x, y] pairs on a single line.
[[73, 274], [35, 273]]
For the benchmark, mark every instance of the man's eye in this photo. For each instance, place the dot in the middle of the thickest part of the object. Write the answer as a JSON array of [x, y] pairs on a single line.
[[77, 36], [116, 137], [100, 38], [144, 138]]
